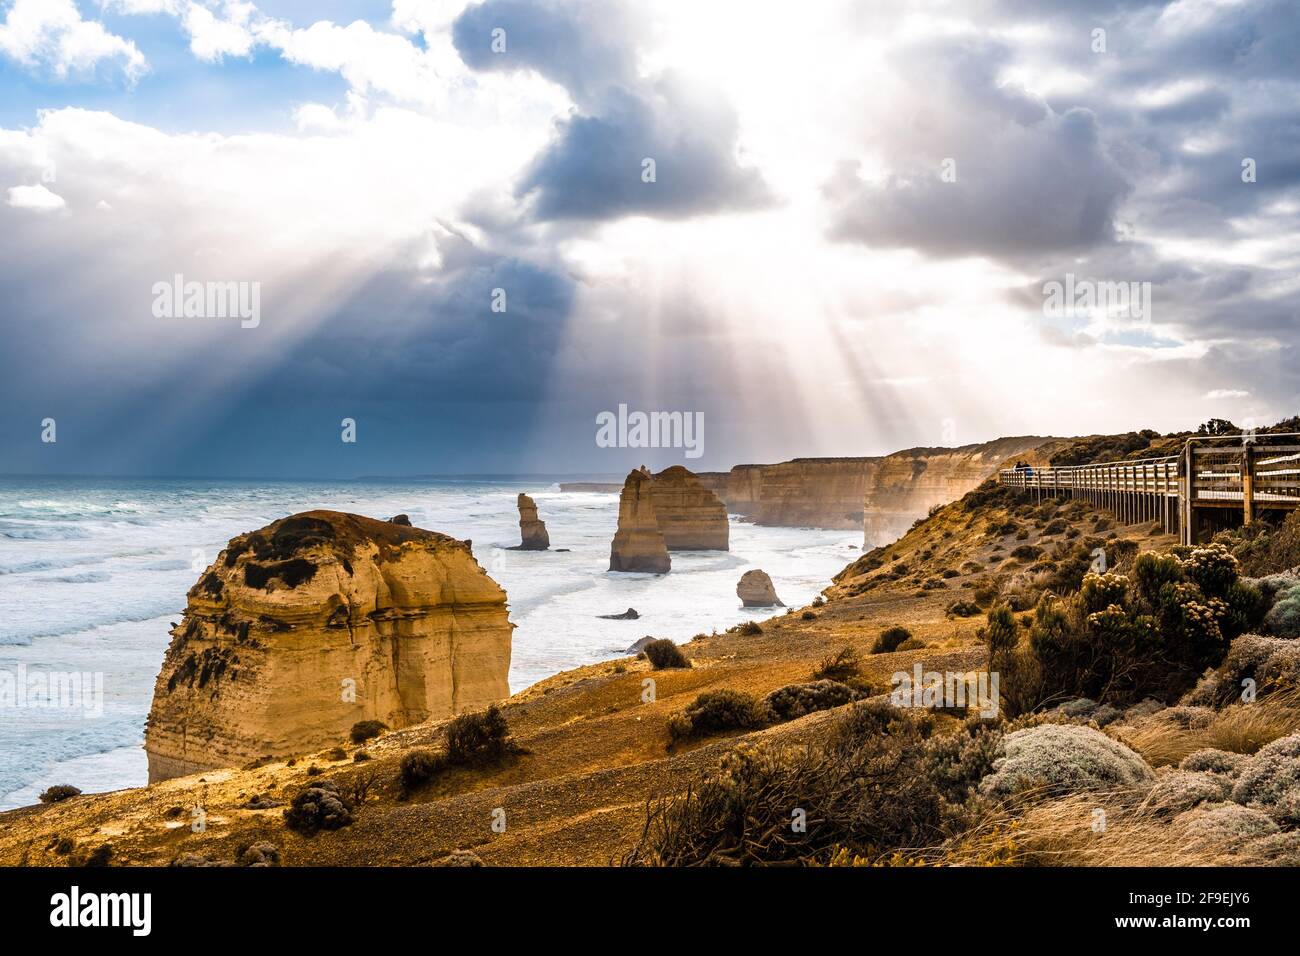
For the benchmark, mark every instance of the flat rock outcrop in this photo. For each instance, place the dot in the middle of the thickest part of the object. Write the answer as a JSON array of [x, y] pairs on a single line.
[[317, 621], [690, 516], [532, 530], [755, 590], [638, 544]]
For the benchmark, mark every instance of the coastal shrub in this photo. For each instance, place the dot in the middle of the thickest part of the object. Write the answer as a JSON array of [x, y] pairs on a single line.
[[1270, 781], [879, 781], [963, 609], [1270, 665], [337, 753], [478, 739], [842, 666], [911, 644], [364, 730], [418, 767], [1214, 761], [750, 628], [1283, 618], [1026, 552], [1225, 825], [715, 712], [1181, 790], [808, 616], [59, 792], [1055, 759], [1121, 637], [663, 654], [890, 638], [320, 807], [796, 700]]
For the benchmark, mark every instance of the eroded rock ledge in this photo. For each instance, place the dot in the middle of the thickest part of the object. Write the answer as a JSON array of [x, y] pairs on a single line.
[[301, 629]]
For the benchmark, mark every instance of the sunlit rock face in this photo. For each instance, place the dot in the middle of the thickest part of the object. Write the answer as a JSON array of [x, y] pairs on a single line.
[[690, 516], [638, 544], [881, 495], [755, 590], [317, 621], [904, 486], [532, 530]]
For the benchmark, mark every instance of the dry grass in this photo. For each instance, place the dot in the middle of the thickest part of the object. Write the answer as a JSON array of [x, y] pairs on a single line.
[[1066, 832], [1240, 728]]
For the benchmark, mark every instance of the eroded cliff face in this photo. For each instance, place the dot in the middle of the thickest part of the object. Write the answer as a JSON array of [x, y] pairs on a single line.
[[904, 486], [317, 621], [638, 543], [881, 495], [690, 516]]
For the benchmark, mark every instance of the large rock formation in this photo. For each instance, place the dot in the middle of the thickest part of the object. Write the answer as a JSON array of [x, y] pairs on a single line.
[[755, 590], [690, 516], [904, 486], [638, 544], [881, 495], [315, 622], [532, 530]]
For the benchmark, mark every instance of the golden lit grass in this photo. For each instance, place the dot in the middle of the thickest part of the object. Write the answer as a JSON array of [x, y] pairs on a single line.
[[1070, 831], [1240, 728]]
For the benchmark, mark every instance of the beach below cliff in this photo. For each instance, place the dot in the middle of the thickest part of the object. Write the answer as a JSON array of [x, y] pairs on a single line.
[[93, 572]]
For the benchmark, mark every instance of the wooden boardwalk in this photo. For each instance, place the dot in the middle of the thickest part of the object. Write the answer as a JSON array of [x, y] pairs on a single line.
[[1213, 484]]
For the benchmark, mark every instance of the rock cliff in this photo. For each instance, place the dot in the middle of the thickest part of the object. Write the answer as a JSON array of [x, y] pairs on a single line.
[[690, 516], [317, 621], [881, 495], [532, 530], [638, 544]]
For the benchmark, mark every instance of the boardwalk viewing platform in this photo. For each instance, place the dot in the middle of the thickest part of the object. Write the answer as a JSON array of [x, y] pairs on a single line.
[[1215, 483]]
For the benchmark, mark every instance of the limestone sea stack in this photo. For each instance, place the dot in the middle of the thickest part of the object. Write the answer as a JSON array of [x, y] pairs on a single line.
[[317, 621], [690, 516], [755, 590], [532, 530], [638, 544]]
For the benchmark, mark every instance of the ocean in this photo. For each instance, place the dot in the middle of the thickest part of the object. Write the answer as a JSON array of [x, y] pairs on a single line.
[[93, 572]]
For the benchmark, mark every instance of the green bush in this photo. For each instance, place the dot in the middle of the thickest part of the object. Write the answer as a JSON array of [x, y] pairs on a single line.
[[889, 639], [1283, 618], [663, 654], [751, 628], [715, 712]]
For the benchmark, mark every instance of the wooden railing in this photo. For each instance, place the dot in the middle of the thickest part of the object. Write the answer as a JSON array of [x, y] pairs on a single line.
[[1241, 472]]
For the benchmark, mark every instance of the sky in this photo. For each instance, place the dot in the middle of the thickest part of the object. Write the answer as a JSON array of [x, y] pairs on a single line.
[[827, 228]]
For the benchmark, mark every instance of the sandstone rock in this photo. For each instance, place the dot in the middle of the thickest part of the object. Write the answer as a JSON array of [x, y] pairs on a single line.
[[690, 516], [755, 590], [320, 620], [638, 544], [531, 529], [881, 495], [629, 615], [639, 645]]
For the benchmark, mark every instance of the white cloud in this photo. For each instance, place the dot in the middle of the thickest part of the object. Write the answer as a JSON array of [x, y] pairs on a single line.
[[51, 34], [36, 198], [211, 37], [1221, 393]]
